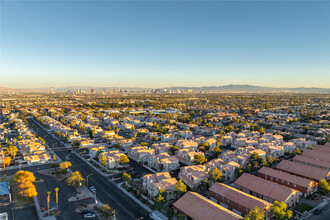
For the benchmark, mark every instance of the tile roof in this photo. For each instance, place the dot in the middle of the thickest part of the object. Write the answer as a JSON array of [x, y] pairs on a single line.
[[303, 170], [318, 155], [200, 208], [323, 148], [304, 159], [299, 181], [265, 187], [244, 199]]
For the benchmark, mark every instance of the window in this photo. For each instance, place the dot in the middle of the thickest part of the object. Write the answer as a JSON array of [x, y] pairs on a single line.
[[282, 181], [265, 176], [239, 206], [294, 185], [221, 197], [288, 183], [216, 195], [227, 200], [276, 179], [233, 203]]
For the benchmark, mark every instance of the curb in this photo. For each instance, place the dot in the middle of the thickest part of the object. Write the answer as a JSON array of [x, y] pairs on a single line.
[[135, 199]]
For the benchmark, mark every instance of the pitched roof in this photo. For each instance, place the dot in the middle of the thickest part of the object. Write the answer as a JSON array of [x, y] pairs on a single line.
[[304, 159], [303, 170], [323, 148], [198, 207], [318, 155], [239, 197], [265, 187], [299, 181]]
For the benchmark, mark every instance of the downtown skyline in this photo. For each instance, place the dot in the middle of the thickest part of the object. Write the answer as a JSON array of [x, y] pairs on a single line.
[[163, 44]]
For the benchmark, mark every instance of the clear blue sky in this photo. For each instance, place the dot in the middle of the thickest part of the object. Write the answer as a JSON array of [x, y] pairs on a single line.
[[159, 43]]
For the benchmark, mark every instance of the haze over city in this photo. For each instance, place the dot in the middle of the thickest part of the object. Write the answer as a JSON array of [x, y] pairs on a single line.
[[156, 44]]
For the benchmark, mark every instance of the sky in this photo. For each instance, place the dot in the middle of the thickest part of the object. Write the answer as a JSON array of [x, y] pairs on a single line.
[[157, 44]]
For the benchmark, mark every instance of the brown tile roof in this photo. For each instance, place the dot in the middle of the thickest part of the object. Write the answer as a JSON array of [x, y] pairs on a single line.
[[300, 158], [299, 181], [309, 172], [200, 208], [264, 187], [318, 155], [323, 148], [239, 197]]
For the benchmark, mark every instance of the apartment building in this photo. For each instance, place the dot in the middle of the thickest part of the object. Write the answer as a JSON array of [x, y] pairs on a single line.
[[236, 200]]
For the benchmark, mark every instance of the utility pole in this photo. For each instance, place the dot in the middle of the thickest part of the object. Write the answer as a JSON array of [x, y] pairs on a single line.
[[87, 178], [48, 199], [3, 161], [95, 197], [56, 190]]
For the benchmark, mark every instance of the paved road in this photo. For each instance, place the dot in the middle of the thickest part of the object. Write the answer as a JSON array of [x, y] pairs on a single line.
[[19, 212], [107, 191], [325, 214]]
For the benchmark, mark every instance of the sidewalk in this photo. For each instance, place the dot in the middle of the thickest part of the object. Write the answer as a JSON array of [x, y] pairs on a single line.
[[135, 199], [27, 165]]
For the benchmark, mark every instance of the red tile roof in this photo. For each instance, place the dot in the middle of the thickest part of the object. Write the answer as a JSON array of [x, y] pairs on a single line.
[[200, 208], [309, 172], [266, 188]]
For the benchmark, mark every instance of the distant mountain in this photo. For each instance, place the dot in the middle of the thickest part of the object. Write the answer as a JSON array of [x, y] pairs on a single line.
[[252, 89], [217, 89]]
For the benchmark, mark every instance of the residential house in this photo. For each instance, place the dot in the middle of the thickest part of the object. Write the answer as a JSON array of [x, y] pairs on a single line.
[[152, 183], [193, 175]]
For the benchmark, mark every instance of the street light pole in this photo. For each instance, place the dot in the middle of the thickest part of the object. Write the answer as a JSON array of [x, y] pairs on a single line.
[[95, 197], [56, 190], [48, 198], [87, 178]]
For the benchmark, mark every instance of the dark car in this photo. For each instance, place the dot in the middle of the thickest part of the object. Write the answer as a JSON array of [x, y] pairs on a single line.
[[86, 211], [317, 211]]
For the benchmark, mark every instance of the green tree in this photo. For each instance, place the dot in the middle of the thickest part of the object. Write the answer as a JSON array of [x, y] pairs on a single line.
[[270, 160], [105, 211], [173, 149], [123, 160], [280, 211], [75, 179], [216, 151], [11, 150], [103, 160], [297, 151], [180, 188], [215, 175], [127, 178], [324, 185], [255, 214], [160, 200], [24, 183], [65, 165], [199, 159]]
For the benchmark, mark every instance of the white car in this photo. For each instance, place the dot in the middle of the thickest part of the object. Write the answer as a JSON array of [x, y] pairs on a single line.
[[92, 188], [90, 215]]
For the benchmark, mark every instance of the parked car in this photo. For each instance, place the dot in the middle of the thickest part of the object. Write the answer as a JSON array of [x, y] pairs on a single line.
[[86, 211], [92, 188], [90, 215], [317, 211]]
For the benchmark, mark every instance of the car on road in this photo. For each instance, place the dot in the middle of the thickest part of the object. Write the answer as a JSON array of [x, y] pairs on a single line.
[[86, 211], [92, 188], [90, 215], [317, 211]]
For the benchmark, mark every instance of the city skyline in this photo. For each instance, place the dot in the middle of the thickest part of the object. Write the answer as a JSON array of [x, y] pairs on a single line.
[[163, 44]]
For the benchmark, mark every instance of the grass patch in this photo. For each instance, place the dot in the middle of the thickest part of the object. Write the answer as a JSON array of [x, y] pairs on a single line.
[[303, 207], [17, 199]]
